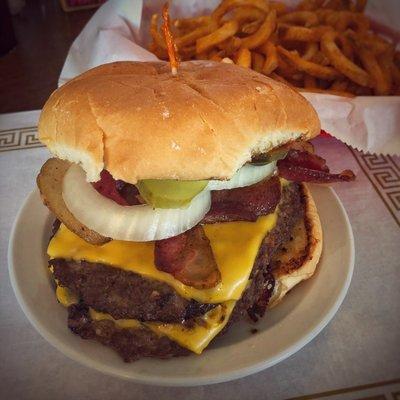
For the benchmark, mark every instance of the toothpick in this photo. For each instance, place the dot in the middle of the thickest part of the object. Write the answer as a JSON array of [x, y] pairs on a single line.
[[169, 40]]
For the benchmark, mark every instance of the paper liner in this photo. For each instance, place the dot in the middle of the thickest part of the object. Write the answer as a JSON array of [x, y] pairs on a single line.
[[119, 30]]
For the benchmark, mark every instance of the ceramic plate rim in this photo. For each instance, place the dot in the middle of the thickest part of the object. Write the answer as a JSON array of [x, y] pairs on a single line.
[[168, 381]]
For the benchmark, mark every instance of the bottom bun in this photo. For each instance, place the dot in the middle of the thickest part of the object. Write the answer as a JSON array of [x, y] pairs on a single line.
[[298, 259]]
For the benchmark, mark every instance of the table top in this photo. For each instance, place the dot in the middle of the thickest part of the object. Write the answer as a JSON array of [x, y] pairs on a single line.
[[29, 72], [355, 357]]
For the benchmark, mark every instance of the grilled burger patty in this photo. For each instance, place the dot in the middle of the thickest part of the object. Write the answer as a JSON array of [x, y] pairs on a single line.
[[255, 298], [110, 291], [130, 343], [125, 294]]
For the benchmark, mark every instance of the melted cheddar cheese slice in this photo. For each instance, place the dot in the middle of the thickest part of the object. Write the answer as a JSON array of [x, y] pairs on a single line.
[[195, 338], [235, 246]]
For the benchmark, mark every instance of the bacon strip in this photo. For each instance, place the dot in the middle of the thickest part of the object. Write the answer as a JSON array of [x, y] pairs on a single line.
[[121, 192], [301, 166], [306, 160], [106, 186], [129, 192], [244, 204], [189, 258]]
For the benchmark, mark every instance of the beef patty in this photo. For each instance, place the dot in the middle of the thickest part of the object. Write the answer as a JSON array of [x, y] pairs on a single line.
[[255, 298], [130, 343], [125, 294], [111, 293]]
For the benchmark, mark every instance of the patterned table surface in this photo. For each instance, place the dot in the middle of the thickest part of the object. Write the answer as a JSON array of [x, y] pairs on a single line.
[[357, 355]]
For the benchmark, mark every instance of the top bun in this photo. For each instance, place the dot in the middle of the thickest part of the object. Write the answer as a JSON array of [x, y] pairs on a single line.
[[138, 121]]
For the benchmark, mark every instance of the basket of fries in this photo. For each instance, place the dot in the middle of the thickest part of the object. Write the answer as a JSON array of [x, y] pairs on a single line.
[[322, 46], [330, 50]]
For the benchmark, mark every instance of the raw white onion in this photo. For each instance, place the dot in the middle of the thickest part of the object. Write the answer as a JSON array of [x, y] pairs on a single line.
[[245, 176], [139, 223]]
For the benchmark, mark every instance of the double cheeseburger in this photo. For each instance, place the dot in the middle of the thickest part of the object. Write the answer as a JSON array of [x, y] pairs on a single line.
[[179, 201]]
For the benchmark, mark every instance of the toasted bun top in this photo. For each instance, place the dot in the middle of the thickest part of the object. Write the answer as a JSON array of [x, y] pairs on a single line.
[[139, 122]]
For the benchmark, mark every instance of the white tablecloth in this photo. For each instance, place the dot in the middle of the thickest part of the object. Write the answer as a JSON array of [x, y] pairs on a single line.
[[356, 356]]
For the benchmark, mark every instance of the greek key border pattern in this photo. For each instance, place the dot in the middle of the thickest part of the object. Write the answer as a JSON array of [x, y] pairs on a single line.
[[19, 139], [383, 171]]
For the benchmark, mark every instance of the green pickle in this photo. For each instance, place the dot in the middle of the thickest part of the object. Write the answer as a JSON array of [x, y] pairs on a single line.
[[169, 193], [267, 158]]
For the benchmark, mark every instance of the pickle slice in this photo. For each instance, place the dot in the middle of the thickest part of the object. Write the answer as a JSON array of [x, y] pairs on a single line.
[[169, 193], [267, 158]]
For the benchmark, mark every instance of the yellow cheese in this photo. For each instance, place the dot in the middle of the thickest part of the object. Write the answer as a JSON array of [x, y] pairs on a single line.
[[195, 338], [235, 246], [121, 323], [65, 296]]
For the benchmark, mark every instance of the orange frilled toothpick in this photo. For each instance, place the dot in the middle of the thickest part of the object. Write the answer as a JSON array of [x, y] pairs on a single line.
[[169, 40]]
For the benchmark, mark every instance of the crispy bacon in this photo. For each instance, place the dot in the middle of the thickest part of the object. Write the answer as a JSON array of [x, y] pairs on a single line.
[[106, 186], [245, 203], [189, 258], [300, 174], [226, 212], [121, 192], [301, 166], [129, 192], [306, 160]]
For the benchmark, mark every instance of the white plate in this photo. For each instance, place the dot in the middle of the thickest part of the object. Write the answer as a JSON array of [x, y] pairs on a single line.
[[283, 331]]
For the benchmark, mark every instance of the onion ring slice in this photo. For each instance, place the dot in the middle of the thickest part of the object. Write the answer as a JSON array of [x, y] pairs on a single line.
[[245, 176], [139, 223]]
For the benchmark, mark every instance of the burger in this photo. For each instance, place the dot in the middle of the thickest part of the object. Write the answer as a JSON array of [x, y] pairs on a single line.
[[179, 201]]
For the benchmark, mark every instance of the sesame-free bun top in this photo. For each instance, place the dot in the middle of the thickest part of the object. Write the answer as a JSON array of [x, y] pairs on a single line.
[[138, 121]]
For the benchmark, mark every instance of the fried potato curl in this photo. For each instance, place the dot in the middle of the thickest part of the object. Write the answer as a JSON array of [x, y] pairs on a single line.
[[321, 46]]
